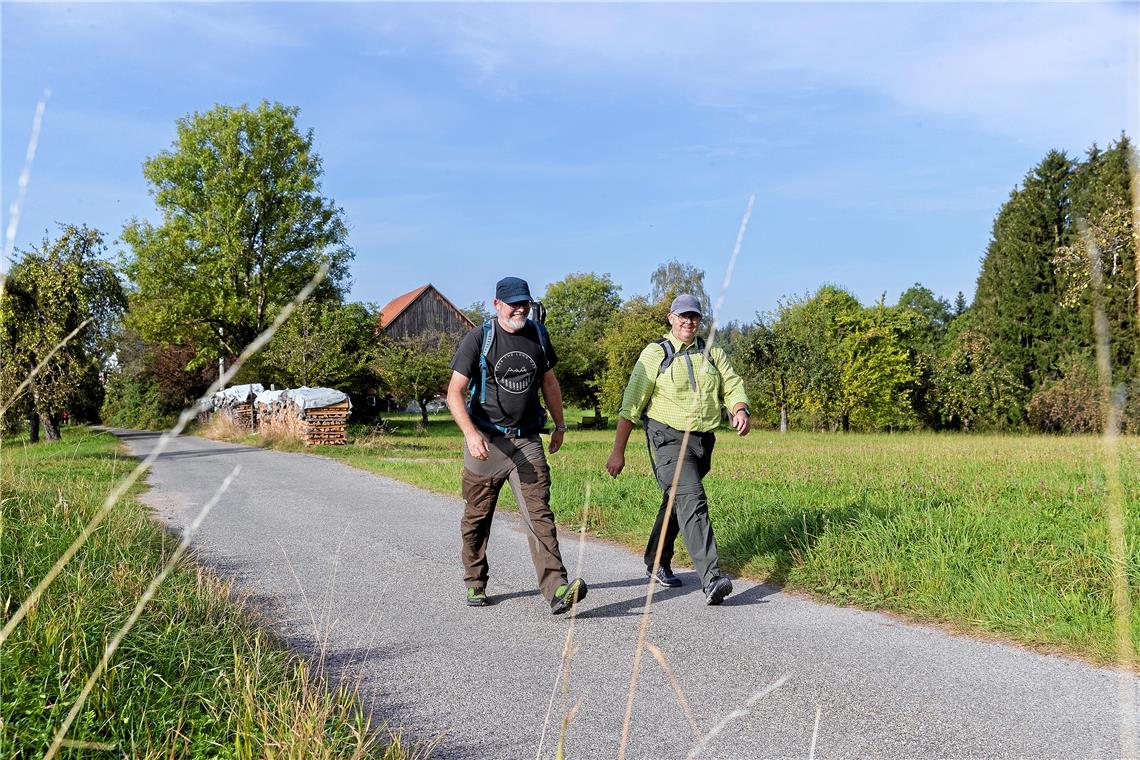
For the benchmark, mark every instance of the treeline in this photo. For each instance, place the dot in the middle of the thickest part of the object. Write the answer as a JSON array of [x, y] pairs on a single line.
[[243, 227]]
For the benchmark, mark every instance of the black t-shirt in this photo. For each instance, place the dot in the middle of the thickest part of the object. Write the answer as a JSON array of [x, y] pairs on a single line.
[[515, 366]]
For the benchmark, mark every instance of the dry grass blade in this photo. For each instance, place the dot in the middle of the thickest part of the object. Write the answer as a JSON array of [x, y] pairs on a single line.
[[113, 645], [568, 647], [651, 587], [673, 491], [22, 189], [740, 712], [39, 367], [814, 734], [1114, 504], [164, 441], [678, 693]]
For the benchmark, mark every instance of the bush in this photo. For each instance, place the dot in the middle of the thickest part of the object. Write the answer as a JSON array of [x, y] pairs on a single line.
[[1069, 404]]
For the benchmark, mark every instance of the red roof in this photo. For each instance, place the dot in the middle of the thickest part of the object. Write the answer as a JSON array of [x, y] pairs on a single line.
[[397, 305]]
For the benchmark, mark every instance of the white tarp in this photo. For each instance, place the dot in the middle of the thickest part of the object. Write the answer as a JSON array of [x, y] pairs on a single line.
[[238, 394], [268, 397], [314, 398]]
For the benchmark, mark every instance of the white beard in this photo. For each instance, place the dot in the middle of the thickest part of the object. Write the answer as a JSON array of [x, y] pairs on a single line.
[[517, 323]]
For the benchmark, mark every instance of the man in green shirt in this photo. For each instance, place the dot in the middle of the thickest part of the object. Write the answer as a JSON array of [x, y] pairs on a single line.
[[680, 387]]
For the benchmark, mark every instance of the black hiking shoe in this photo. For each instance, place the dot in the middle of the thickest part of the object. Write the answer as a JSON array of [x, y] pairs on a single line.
[[568, 595], [476, 597], [664, 576], [718, 588]]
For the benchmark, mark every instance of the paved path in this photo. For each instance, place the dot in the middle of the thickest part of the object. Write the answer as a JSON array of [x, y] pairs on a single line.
[[364, 569]]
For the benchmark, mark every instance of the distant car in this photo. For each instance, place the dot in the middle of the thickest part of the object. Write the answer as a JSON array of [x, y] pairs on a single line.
[[435, 406]]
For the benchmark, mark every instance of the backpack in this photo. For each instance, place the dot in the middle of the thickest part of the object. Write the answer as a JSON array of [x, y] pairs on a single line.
[[481, 384]]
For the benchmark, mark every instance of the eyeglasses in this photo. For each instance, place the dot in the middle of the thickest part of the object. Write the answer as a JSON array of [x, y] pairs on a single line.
[[520, 305], [693, 319]]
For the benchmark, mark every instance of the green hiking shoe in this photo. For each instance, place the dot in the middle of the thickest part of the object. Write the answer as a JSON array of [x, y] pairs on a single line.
[[568, 595], [476, 597]]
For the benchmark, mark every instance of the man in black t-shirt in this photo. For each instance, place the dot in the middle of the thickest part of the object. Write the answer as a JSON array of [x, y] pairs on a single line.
[[497, 374]]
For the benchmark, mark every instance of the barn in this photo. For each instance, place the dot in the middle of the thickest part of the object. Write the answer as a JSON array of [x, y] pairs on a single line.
[[423, 311]]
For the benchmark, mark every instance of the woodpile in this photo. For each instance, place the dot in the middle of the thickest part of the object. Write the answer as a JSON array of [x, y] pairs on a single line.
[[236, 403], [315, 416]]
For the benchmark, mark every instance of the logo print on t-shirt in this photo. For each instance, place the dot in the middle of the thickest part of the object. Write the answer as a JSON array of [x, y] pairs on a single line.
[[515, 371]]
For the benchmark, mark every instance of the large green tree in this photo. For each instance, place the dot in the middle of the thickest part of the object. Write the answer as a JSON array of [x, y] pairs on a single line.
[[50, 292], [579, 309], [244, 227], [323, 344], [1018, 301]]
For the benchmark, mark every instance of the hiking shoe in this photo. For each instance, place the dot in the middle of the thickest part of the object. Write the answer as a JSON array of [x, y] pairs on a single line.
[[664, 576], [718, 588], [476, 597], [568, 595]]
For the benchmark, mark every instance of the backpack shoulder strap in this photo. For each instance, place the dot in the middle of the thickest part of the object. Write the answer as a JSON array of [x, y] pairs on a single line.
[[488, 339], [543, 340], [670, 353]]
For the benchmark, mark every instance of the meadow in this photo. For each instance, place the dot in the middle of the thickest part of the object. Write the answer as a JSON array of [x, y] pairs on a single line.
[[197, 676], [1003, 536]]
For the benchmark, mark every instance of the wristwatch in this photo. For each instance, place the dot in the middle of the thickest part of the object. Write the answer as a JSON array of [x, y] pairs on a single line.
[[746, 410], [560, 428]]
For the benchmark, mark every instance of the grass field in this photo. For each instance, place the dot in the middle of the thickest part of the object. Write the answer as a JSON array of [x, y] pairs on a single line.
[[1001, 535], [196, 677]]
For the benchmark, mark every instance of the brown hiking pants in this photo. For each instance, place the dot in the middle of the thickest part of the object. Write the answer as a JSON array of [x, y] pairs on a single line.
[[523, 461]]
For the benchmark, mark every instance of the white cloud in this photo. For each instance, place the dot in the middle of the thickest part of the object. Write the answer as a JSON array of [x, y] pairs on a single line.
[[1045, 71]]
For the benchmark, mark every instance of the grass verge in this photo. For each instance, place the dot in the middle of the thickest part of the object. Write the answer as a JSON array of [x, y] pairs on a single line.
[[1000, 535], [195, 677]]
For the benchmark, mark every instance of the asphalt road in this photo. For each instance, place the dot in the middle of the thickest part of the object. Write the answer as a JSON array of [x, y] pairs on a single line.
[[362, 572]]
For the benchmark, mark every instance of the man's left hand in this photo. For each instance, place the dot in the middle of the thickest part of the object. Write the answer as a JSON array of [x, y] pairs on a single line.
[[741, 422], [556, 440]]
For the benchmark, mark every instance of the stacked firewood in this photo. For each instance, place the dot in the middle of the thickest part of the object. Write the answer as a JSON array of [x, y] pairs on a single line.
[[315, 416]]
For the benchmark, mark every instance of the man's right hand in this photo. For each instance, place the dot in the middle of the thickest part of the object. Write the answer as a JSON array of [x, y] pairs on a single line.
[[477, 445], [616, 463]]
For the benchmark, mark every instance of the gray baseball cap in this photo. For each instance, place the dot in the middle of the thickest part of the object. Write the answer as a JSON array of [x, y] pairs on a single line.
[[685, 303]]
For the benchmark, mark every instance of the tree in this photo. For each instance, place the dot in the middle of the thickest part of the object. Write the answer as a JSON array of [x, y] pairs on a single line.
[[323, 344], [579, 309], [415, 368], [771, 367], [49, 293], [973, 387], [816, 327], [478, 312], [243, 229], [931, 318], [674, 277], [634, 326], [875, 372], [1018, 303]]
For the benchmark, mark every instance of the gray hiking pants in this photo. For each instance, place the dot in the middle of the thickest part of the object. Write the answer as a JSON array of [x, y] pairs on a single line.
[[690, 516]]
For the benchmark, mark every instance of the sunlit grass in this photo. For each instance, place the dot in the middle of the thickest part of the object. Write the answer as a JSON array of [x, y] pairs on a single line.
[[1003, 535], [198, 675]]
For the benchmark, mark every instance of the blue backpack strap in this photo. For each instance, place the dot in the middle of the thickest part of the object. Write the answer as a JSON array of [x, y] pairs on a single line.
[[488, 339]]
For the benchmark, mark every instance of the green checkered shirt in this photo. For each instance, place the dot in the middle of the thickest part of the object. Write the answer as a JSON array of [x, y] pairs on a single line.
[[669, 397]]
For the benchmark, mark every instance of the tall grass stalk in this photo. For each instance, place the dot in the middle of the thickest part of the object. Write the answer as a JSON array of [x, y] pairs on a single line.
[[183, 419], [1114, 505], [39, 367], [22, 190], [568, 649], [147, 595], [740, 712]]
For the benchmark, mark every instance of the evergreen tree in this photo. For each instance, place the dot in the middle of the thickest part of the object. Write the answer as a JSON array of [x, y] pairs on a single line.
[[1018, 303]]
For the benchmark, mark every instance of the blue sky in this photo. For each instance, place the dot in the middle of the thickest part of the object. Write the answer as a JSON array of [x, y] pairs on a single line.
[[465, 142]]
